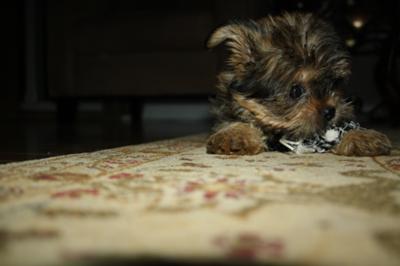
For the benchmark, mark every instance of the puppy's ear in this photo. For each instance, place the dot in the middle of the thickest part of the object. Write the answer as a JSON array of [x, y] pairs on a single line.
[[241, 40], [230, 32]]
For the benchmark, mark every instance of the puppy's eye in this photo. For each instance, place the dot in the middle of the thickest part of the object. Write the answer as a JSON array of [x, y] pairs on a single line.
[[297, 91]]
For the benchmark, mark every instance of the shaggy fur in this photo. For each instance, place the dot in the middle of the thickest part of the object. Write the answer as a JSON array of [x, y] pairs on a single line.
[[284, 76]]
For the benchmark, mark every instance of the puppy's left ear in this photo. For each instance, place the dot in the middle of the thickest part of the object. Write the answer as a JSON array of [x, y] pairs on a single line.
[[241, 39], [234, 33]]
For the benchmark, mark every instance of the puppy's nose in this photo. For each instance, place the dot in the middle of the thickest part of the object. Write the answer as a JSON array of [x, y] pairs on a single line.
[[329, 113]]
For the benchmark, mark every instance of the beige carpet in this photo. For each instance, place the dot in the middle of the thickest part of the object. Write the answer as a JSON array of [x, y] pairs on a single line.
[[171, 200]]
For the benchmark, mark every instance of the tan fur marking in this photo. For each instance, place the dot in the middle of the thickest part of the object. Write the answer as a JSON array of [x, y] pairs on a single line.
[[305, 75], [261, 113]]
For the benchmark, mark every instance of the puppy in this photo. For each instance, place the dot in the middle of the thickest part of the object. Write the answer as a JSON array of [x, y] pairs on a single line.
[[284, 77]]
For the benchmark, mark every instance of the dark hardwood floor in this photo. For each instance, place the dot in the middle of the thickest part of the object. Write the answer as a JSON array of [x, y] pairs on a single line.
[[38, 136]]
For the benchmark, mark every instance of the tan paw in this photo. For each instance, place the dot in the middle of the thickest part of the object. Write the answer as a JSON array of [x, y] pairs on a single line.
[[363, 142], [236, 138]]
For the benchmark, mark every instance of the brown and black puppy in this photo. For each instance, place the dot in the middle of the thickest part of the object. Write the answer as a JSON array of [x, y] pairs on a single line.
[[284, 77]]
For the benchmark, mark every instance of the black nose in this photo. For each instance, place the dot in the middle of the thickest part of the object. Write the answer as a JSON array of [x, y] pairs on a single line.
[[329, 113]]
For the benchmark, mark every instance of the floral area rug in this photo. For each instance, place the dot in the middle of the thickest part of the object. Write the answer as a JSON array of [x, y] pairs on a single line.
[[170, 200]]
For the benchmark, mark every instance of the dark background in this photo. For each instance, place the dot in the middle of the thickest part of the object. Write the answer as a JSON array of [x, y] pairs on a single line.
[[86, 75]]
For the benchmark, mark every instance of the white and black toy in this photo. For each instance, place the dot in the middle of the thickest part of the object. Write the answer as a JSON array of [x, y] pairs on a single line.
[[320, 143]]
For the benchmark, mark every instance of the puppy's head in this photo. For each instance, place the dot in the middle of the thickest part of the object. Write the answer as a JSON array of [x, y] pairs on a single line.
[[286, 72]]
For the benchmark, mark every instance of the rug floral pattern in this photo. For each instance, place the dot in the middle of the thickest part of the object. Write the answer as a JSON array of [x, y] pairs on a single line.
[[170, 199]]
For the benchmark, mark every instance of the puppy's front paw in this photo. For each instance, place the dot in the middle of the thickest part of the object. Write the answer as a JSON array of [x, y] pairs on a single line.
[[236, 138], [363, 142]]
